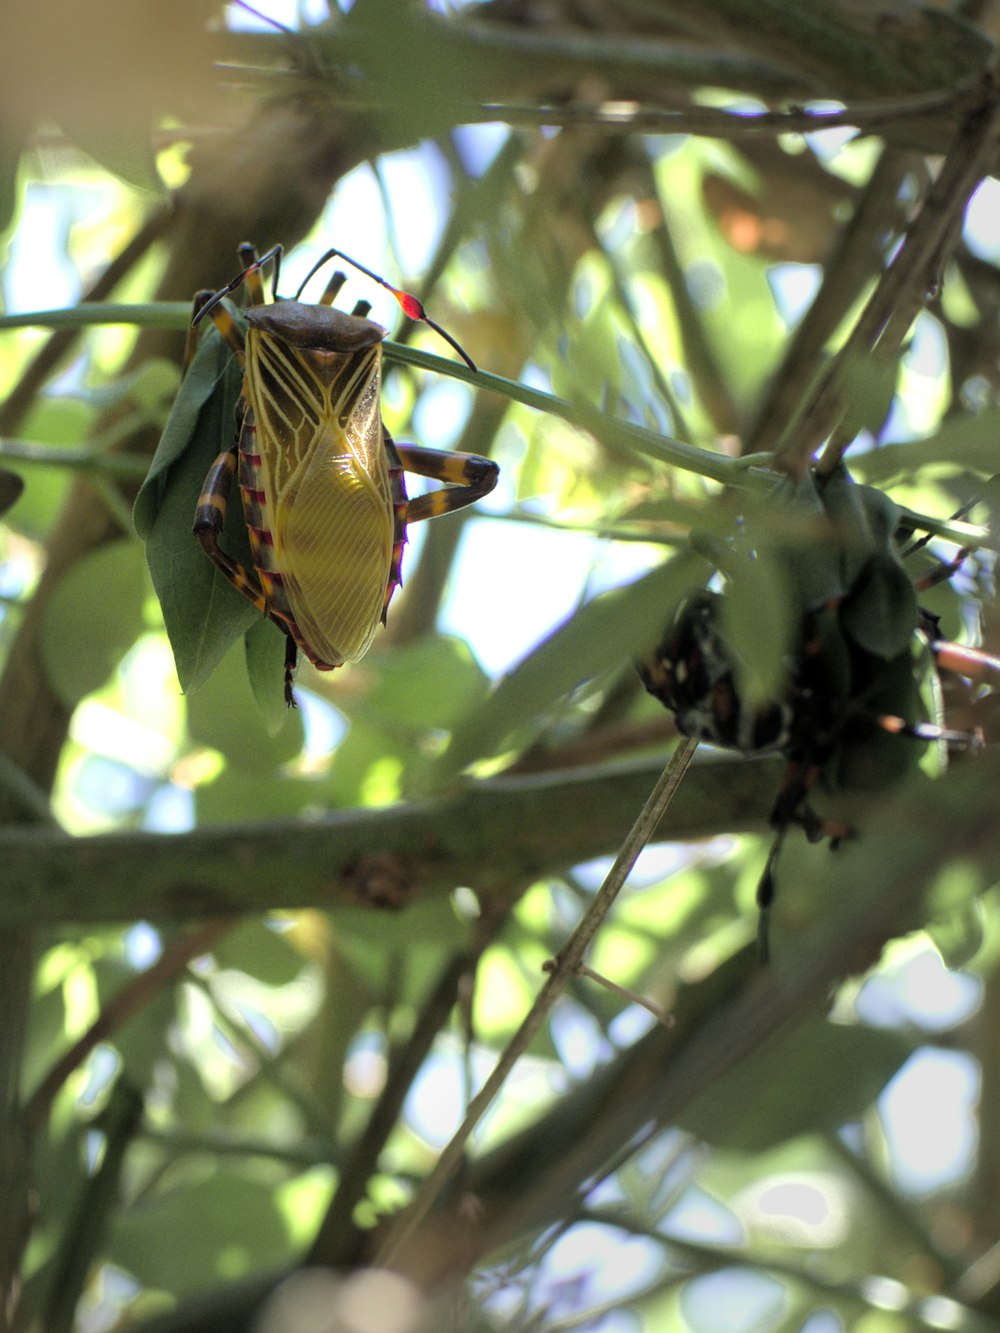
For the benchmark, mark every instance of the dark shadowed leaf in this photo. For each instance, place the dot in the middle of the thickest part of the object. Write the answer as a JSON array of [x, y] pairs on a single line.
[[93, 618], [203, 613], [223, 714], [822, 1076], [162, 1241]]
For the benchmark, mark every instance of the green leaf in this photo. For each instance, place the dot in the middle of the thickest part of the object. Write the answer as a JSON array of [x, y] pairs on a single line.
[[761, 625], [869, 758], [92, 619], [959, 935], [223, 714], [880, 611], [57, 421], [369, 764], [868, 390], [264, 645], [413, 695], [203, 613], [124, 150], [815, 1080], [792, 523], [162, 1241], [240, 795], [210, 373], [426, 685], [881, 614], [853, 533], [262, 951], [962, 442], [881, 515]]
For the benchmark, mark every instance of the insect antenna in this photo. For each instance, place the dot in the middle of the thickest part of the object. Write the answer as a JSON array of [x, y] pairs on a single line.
[[264, 18], [412, 307], [250, 276]]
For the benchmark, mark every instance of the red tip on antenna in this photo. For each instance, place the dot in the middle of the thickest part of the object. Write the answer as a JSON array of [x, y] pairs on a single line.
[[412, 308], [410, 305]]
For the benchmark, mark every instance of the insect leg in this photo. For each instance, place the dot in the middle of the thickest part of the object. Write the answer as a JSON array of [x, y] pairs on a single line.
[[765, 897], [965, 661], [467, 478], [291, 661], [223, 320], [251, 277], [942, 572], [201, 299], [209, 520], [791, 807]]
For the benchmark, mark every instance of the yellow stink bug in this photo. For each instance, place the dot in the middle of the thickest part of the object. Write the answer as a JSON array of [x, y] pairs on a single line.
[[321, 478]]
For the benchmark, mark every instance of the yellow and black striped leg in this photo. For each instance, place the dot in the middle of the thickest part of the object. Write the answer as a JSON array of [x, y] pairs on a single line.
[[209, 520], [209, 304], [467, 478], [223, 320]]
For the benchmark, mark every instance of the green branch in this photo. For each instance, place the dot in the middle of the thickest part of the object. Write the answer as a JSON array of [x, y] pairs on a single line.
[[486, 835]]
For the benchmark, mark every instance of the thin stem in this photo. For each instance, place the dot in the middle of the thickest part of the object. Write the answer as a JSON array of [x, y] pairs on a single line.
[[749, 473], [626, 992], [149, 315], [904, 285], [30, 453], [632, 116], [566, 964]]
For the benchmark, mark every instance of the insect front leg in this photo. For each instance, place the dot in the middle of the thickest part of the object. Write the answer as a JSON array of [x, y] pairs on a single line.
[[466, 477], [209, 521], [209, 303]]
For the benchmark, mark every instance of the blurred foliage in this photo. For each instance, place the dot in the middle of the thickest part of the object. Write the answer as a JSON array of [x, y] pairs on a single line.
[[686, 272]]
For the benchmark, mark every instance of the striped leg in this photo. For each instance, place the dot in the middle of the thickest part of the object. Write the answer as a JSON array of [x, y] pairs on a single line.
[[467, 478], [209, 521]]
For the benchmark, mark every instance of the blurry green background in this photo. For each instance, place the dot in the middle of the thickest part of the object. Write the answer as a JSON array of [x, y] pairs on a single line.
[[297, 991]]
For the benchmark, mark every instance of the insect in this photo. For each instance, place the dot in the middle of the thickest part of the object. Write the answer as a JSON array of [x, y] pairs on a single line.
[[848, 692], [320, 476]]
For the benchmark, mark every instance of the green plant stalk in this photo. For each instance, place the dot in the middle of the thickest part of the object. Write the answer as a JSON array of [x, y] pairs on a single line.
[[749, 473]]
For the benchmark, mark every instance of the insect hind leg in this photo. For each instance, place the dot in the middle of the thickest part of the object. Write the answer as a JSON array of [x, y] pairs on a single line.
[[467, 478], [792, 807]]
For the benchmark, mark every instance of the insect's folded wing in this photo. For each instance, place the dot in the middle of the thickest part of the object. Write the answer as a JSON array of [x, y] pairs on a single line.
[[333, 542]]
